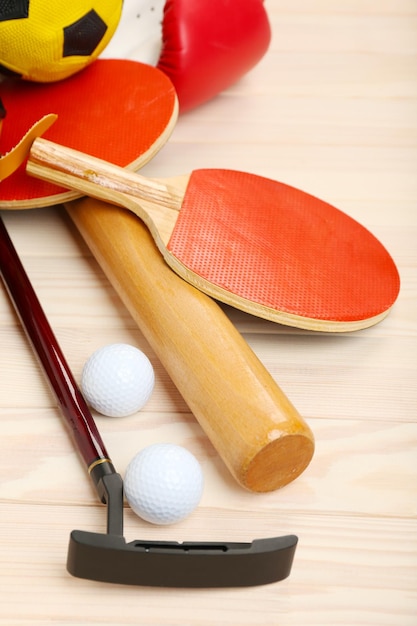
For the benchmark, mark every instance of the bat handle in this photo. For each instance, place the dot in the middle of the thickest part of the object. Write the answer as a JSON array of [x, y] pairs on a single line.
[[46, 347], [258, 433]]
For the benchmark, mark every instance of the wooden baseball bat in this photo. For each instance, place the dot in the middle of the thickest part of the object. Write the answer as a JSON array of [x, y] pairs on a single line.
[[256, 430]]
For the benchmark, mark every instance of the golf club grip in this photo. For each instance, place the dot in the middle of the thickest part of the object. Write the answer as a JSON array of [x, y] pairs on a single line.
[[258, 433], [47, 349]]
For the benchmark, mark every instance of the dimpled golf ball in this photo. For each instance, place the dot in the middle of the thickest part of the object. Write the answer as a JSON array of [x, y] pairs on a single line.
[[117, 380], [163, 483]]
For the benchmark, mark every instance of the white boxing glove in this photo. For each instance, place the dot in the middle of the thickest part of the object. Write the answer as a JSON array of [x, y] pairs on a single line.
[[139, 34]]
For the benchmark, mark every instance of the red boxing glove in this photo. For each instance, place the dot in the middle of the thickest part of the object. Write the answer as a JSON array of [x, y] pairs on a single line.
[[207, 45]]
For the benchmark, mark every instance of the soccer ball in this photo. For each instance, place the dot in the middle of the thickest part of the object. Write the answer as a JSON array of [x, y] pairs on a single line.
[[46, 41]]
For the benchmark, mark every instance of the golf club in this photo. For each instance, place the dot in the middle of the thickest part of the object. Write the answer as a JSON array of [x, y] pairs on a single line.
[[108, 557]]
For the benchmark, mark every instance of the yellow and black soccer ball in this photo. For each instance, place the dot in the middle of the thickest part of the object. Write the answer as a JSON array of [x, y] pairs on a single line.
[[44, 40]]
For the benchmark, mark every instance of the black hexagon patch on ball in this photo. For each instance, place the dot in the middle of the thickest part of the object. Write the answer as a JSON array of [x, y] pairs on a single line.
[[13, 9], [83, 36]]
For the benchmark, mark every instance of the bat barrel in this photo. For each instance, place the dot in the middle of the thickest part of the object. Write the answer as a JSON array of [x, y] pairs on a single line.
[[256, 430]]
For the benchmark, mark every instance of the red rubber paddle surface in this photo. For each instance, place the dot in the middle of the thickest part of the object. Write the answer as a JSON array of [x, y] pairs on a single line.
[[277, 246], [114, 110]]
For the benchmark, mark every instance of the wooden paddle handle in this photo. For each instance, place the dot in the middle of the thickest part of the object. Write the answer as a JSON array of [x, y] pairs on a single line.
[[258, 433]]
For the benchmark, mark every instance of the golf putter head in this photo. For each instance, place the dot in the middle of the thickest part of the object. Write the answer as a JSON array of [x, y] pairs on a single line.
[[109, 558]]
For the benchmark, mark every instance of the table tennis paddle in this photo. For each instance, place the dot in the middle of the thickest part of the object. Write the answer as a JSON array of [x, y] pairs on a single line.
[[101, 110], [257, 432], [257, 244]]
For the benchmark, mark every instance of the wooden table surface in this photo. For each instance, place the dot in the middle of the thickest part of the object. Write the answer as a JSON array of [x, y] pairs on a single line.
[[331, 109]]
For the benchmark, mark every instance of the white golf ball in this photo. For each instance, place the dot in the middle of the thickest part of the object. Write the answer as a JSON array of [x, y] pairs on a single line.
[[117, 380], [163, 483]]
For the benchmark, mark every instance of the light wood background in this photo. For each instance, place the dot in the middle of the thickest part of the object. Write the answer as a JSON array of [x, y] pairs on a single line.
[[331, 109]]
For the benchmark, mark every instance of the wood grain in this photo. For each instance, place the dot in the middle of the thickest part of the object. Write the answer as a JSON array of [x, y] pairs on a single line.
[[332, 110]]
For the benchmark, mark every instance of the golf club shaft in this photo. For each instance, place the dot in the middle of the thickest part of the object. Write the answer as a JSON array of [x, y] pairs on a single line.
[[45, 344]]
